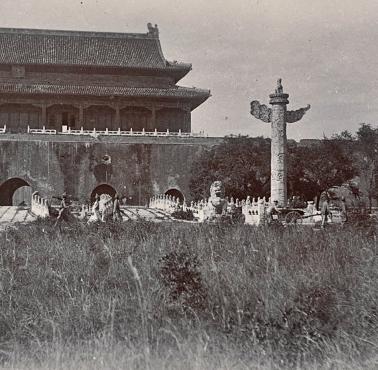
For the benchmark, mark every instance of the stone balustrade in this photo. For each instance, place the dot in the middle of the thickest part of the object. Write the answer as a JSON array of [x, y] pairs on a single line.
[[39, 206], [68, 131], [42, 130], [165, 203], [254, 210], [199, 209]]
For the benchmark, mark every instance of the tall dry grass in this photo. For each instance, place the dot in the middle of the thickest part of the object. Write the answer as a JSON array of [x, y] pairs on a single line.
[[177, 295]]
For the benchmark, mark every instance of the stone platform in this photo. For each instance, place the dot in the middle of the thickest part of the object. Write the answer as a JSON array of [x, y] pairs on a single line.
[[10, 215]]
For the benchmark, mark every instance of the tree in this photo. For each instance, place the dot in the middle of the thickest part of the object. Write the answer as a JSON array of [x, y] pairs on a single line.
[[241, 163], [367, 158], [316, 168]]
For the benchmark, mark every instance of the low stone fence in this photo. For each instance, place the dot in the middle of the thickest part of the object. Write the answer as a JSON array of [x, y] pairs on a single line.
[[254, 210], [42, 130], [39, 206], [165, 203]]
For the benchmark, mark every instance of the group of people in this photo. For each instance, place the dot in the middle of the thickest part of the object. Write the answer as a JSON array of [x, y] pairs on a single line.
[[274, 211], [98, 212], [326, 213]]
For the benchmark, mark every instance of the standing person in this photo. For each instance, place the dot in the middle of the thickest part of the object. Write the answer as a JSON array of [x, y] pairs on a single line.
[[95, 216], [325, 211], [63, 212], [116, 209], [63, 207], [272, 212], [343, 211]]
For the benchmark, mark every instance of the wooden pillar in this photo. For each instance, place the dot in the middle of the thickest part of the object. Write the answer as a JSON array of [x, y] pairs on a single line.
[[185, 118], [44, 115], [153, 118], [81, 116], [117, 118]]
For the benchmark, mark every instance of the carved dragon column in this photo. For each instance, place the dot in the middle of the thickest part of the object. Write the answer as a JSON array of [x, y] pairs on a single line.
[[278, 116]]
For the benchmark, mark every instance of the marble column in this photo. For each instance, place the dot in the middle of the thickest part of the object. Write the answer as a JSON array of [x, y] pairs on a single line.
[[278, 169], [278, 117]]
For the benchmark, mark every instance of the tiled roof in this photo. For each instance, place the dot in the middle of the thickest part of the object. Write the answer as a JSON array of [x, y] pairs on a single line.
[[197, 96], [76, 48]]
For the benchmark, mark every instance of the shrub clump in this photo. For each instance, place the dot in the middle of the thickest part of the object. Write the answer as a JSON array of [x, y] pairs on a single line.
[[183, 215], [180, 275]]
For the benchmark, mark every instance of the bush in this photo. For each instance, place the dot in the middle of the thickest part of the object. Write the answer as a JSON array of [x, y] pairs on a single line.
[[179, 273], [183, 215]]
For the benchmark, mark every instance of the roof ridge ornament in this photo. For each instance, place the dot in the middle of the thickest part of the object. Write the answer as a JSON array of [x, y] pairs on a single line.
[[153, 31]]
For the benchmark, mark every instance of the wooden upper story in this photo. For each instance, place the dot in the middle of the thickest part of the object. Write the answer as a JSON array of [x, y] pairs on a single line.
[[92, 80]]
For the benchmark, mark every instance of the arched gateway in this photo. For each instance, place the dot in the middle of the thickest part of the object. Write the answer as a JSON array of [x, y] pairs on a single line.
[[103, 189], [14, 192], [175, 194]]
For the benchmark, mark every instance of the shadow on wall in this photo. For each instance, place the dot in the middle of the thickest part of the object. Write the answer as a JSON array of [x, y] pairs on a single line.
[[103, 172]]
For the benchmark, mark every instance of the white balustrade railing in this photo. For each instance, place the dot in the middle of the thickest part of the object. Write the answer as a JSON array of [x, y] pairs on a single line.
[[253, 209], [42, 130], [69, 131], [165, 203], [39, 206]]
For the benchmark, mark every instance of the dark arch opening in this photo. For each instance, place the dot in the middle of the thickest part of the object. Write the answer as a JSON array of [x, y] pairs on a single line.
[[10, 195], [176, 194], [102, 189]]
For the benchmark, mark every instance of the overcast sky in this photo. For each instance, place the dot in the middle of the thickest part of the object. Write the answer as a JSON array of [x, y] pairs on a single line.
[[326, 52]]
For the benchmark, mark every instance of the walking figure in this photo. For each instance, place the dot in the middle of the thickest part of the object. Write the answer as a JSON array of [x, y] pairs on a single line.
[[343, 211], [272, 213], [95, 216], [325, 212], [116, 209]]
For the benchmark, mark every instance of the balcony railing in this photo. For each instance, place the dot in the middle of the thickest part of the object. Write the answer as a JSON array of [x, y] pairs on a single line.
[[68, 131], [42, 130]]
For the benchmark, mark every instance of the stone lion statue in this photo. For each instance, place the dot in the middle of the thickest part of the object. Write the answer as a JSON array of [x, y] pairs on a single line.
[[217, 204]]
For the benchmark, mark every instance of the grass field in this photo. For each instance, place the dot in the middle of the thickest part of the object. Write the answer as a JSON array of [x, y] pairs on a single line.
[[187, 296]]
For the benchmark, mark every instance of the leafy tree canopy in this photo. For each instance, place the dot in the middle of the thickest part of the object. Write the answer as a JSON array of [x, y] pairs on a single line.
[[241, 163], [316, 168]]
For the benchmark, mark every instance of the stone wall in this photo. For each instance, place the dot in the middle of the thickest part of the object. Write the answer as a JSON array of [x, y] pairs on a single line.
[[137, 168]]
